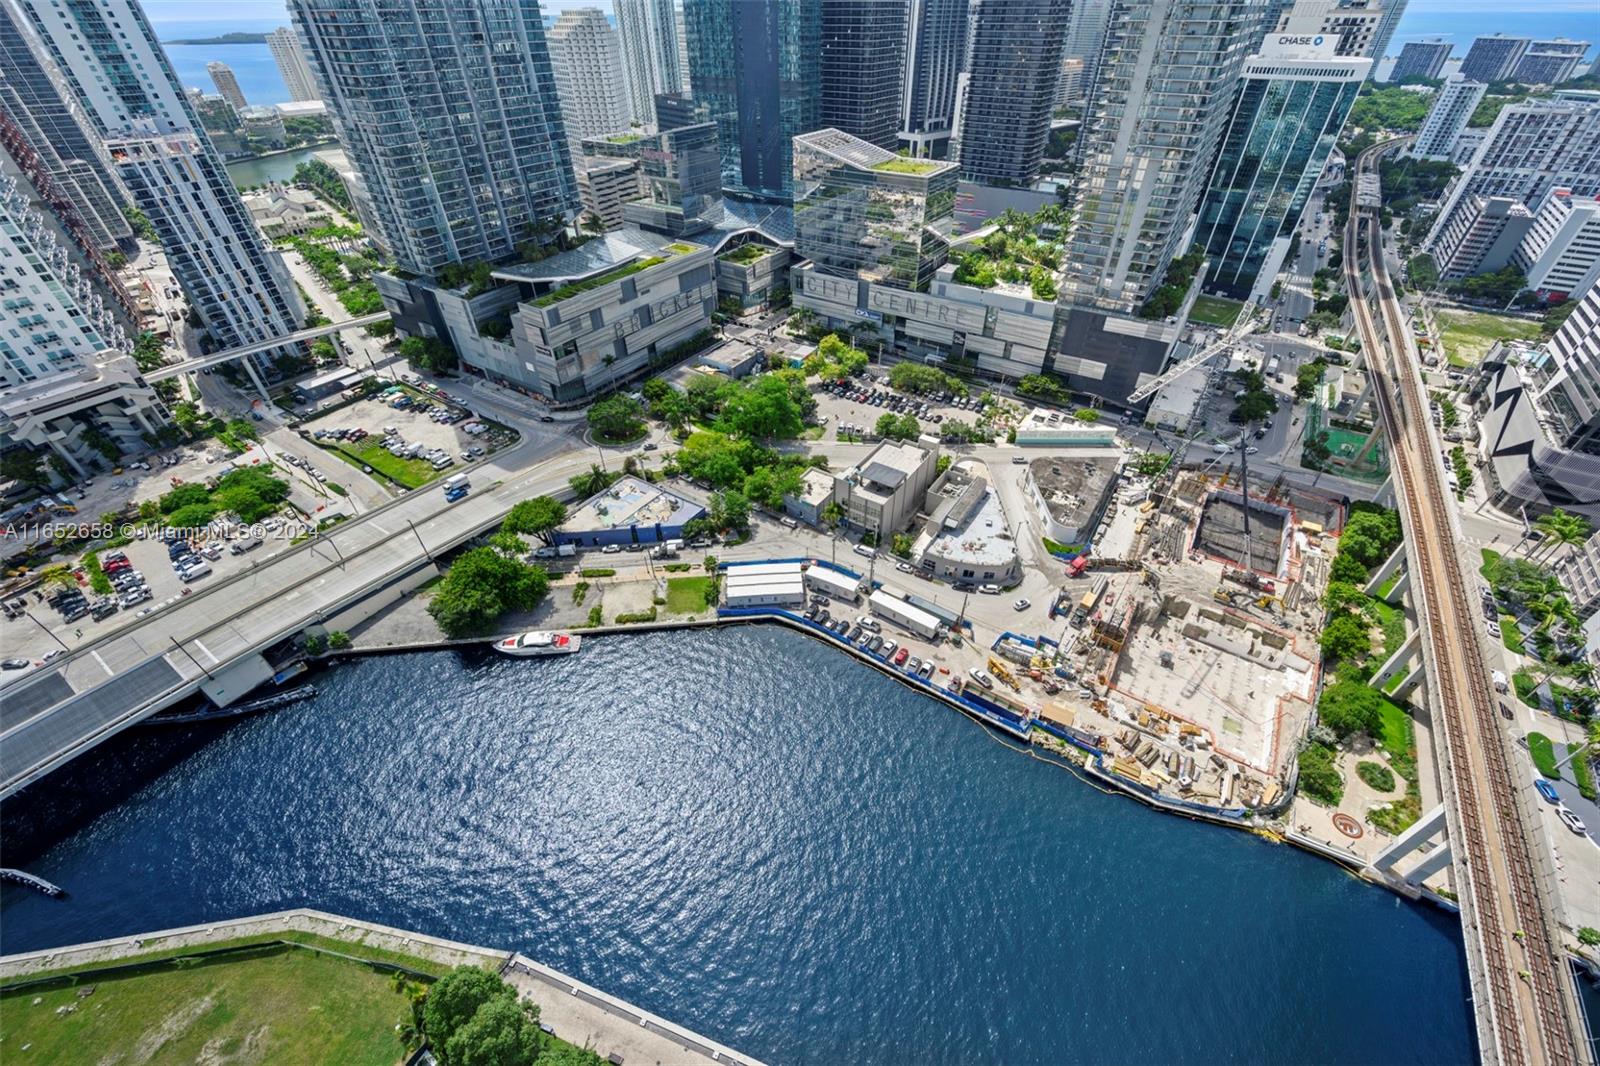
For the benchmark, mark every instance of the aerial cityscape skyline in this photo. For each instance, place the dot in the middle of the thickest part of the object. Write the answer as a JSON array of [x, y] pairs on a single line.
[[560, 534]]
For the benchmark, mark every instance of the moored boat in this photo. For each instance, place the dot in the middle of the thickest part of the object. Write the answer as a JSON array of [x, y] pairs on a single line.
[[539, 642]]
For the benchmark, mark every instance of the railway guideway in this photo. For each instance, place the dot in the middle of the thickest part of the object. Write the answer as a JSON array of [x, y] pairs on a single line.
[[1525, 1004]]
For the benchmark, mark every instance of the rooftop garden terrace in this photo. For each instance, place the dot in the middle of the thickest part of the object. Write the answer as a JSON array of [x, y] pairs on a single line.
[[1013, 253], [566, 292], [907, 166], [747, 253]]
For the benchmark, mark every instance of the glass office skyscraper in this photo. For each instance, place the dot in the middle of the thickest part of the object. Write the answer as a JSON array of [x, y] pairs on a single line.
[[865, 213], [448, 109], [1009, 89], [757, 66], [863, 65], [936, 52], [1291, 105]]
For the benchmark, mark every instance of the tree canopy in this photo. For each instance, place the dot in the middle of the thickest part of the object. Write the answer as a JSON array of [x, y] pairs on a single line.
[[453, 1000], [481, 585], [1348, 707], [538, 517], [1346, 637], [616, 418], [503, 1031]]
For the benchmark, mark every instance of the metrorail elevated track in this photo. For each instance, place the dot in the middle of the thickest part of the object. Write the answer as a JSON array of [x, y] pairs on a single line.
[[1527, 1011]]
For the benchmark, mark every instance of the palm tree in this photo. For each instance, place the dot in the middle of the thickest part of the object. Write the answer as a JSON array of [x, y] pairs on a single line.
[[1560, 528], [1591, 739]]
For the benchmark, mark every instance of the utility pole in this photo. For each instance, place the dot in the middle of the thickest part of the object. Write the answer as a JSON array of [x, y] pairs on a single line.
[[180, 647]]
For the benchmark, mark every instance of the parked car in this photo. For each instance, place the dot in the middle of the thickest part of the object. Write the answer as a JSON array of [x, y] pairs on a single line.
[[1572, 821], [981, 677], [1022, 604], [990, 590], [901, 656], [1548, 791]]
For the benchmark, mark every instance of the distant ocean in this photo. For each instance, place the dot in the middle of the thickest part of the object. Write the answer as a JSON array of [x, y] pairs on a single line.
[[252, 64]]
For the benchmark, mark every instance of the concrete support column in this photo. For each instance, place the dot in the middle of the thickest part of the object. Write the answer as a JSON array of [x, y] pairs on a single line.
[[1431, 863], [1396, 560], [67, 457], [1372, 439], [1422, 829], [1401, 587], [249, 364], [1398, 660], [1384, 497], [1409, 685]]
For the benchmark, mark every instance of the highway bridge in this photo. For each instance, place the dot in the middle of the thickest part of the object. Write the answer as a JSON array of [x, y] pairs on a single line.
[[1522, 993], [213, 639]]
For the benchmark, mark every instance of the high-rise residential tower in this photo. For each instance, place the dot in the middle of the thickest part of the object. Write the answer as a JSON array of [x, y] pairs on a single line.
[[448, 183], [1008, 90], [1292, 102], [1421, 59], [1168, 79], [1549, 62], [65, 386], [1492, 59], [285, 48], [1393, 12], [935, 53], [44, 118], [1085, 40], [649, 32], [118, 73], [1532, 148], [863, 68], [227, 85], [587, 59], [1357, 24], [757, 66], [1453, 105]]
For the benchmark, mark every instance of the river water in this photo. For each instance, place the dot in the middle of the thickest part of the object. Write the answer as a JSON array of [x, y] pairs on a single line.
[[280, 165], [757, 838]]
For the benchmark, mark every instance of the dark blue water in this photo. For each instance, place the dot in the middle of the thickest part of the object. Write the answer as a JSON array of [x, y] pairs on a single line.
[[753, 836]]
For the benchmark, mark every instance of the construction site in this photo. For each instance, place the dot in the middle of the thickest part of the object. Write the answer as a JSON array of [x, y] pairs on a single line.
[[1195, 648]]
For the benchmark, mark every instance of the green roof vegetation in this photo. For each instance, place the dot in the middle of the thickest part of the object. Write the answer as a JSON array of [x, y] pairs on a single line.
[[906, 166], [569, 291], [1215, 310], [1013, 253], [679, 248], [624, 138], [748, 253]]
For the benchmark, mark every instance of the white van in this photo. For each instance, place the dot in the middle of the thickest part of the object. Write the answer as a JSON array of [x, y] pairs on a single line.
[[198, 570], [865, 552]]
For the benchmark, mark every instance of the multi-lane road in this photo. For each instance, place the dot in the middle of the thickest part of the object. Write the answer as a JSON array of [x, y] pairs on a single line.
[[1523, 996]]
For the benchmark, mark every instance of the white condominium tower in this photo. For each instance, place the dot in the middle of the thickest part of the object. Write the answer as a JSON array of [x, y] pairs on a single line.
[[1453, 105], [1532, 148], [227, 85], [1167, 81], [588, 67], [120, 77], [650, 53], [285, 47], [448, 182]]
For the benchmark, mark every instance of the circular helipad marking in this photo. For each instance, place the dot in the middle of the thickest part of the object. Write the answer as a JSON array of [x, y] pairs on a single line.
[[1348, 826]]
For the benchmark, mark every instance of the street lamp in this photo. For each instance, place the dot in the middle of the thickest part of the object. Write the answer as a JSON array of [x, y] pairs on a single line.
[[46, 628]]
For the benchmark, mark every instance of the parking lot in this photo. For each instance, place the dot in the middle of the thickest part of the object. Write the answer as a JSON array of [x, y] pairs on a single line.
[[405, 438], [854, 409]]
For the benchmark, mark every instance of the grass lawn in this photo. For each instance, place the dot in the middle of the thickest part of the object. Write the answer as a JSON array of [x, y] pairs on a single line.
[[407, 473], [288, 1006], [688, 595], [1523, 682], [1490, 558], [1544, 755], [1393, 621], [1215, 310], [1581, 772], [1388, 586], [1467, 336], [1511, 634], [1398, 738]]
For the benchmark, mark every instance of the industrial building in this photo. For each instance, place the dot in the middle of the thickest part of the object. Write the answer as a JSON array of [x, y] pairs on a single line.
[[882, 494], [763, 585], [632, 511]]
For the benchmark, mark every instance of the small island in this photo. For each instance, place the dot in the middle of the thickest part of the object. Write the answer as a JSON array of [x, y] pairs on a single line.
[[226, 38]]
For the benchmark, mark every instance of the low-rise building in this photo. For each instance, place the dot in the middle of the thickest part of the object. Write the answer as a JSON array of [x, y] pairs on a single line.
[[732, 359], [85, 417], [882, 494], [324, 385], [1071, 494], [763, 585], [967, 538], [632, 511], [283, 211], [1043, 428], [816, 492], [264, 125]]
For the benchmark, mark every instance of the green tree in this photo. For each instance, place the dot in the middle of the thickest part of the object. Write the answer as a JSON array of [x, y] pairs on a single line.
[[616, 418], [1307, 378], [21, 464], [730, 510], [539, 517], [1561, 528], [1345, 637], [765, 410], [481, 585], [502, 1032], [1254, 406], [1342, 594], [1087, 415], [338, 640], [898, 427], [832, 514], [1589, 936], [454, 999], [1348, 707]]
